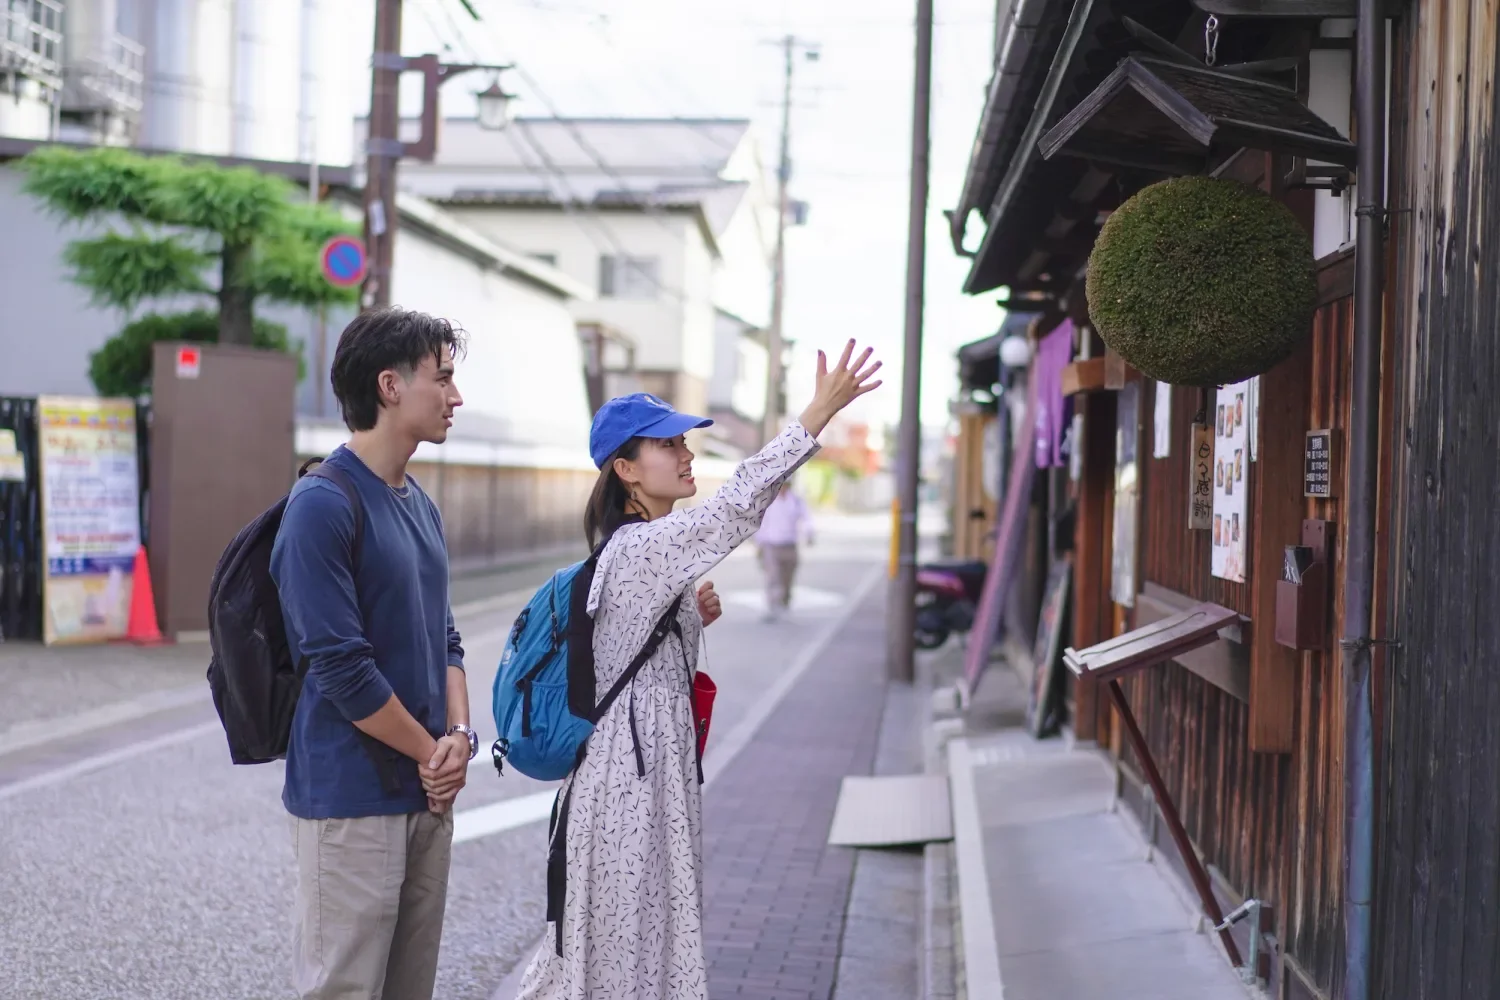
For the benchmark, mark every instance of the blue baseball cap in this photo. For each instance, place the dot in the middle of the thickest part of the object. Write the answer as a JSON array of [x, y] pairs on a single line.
[[638, 415]]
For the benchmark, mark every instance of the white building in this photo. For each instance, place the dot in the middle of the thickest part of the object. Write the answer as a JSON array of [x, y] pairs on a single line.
[[670, 221]]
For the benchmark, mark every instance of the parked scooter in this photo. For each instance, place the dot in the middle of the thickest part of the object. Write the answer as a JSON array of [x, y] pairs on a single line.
[[947, 599]]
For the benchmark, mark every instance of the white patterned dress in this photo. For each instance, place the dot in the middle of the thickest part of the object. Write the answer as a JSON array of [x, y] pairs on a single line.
[[632, 920]]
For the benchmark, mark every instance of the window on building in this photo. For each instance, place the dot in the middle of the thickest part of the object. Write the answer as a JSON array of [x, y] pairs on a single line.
[[549, 259], [622, 277]]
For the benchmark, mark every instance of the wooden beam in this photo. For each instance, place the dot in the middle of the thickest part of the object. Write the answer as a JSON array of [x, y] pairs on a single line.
[[1152, 162], [1084, 376], [1277, 523], [1279, 8], [1117, 372], [1092, 610]]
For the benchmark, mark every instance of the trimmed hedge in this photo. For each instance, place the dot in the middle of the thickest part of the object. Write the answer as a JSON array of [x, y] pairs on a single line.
[[1202, 282]]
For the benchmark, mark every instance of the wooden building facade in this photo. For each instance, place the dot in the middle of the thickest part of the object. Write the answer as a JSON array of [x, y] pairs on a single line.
[[1250, 734]]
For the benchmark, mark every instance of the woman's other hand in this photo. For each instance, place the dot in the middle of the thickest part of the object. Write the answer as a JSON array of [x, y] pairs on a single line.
[[710, 608], [839, 387]]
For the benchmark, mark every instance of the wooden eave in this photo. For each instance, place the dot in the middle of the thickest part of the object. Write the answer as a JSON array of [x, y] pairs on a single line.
[[1176, 119]]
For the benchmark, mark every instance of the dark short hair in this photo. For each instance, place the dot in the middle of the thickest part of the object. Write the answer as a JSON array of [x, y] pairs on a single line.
[[378, 340]]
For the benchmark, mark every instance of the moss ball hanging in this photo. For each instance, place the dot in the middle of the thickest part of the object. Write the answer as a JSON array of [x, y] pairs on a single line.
[[1202, 282]]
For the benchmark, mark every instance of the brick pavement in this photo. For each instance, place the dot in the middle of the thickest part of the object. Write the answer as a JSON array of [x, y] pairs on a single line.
[[775, 893]]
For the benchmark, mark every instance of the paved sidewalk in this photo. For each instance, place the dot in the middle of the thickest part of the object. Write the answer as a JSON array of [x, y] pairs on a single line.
[[1059, 897], [775, 894]]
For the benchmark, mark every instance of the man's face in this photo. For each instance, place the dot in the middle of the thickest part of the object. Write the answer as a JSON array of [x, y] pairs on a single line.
[[427, 400]]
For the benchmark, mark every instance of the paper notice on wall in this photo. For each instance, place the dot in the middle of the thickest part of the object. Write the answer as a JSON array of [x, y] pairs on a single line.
[[1252, 418], [1161, 445], [12, 464], [1231, 456], [1201, 502]]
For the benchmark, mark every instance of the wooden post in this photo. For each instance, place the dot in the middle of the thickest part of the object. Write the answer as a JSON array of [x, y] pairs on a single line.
[[1281, 419]]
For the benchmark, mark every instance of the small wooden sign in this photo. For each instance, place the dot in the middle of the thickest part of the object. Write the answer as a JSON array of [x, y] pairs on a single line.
[[1317, 465], [1201, 500]]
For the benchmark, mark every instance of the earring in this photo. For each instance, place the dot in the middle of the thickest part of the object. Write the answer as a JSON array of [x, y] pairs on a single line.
[[633, 497]]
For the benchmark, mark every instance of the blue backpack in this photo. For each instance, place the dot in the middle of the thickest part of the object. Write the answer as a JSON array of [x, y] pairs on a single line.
[[544, 690]]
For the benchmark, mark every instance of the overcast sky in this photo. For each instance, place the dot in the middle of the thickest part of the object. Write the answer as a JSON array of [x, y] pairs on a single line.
[[851, 135]]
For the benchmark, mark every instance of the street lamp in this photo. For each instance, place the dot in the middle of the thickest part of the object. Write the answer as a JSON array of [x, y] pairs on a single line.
[[497, 109]]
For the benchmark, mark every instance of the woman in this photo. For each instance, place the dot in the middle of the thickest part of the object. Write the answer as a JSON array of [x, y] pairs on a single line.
[[631, 925]]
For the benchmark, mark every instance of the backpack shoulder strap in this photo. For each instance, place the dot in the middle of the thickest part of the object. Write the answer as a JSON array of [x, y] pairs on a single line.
[[653, 642], [341, 479]]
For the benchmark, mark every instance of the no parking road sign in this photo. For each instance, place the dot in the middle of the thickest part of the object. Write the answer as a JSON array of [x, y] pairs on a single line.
[[344, 261]]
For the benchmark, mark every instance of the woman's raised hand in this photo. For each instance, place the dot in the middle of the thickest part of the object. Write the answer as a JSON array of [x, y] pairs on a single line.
[[838, 387]]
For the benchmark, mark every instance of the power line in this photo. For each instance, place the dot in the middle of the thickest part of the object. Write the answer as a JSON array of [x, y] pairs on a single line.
[[570, 201]]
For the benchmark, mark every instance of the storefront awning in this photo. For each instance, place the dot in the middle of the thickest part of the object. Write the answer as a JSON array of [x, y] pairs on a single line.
[[1177, 118]]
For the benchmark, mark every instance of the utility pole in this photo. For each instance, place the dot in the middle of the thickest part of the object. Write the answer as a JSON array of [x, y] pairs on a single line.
[[902, 617], [771, 422], [384, 151]]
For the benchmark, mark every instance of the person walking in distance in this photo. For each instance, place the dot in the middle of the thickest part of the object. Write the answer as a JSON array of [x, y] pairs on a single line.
[[628, 923], [380, 743], [787, 523]]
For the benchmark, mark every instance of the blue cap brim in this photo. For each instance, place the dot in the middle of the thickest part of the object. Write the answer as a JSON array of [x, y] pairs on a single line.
[[672, 425]]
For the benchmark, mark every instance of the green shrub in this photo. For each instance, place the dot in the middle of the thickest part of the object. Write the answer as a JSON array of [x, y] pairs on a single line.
[[122, 367], [1202, 282]]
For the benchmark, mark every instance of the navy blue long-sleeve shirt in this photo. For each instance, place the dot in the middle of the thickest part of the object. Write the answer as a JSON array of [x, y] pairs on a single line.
[[381, 629]]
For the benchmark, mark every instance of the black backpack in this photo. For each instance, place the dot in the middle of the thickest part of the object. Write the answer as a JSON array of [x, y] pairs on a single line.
[[253, 674]]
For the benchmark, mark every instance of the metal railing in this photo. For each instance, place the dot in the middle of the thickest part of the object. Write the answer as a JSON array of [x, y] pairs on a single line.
[[113, 80], [31, 39]]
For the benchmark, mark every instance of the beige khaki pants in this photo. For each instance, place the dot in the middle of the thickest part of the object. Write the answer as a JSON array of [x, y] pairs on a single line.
[[369, 912], [780, 563]]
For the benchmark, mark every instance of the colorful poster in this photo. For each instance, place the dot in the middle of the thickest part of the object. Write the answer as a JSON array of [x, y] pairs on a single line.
[[1231, 482], [90, 516], [12, 463]]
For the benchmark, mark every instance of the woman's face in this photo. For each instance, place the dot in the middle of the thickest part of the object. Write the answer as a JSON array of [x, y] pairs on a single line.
[[663, 470]]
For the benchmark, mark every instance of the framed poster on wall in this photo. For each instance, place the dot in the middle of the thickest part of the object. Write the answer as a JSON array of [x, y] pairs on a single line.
[[1044, 709], [91, 518]]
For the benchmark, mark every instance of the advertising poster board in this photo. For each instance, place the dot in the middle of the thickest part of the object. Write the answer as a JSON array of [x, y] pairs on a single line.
[[91, 528]]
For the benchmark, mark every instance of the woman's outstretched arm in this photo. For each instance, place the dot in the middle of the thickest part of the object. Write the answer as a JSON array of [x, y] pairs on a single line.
[[658, 560]]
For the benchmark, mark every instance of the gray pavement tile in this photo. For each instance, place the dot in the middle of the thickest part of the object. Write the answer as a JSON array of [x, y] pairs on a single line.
[[1177, 965]]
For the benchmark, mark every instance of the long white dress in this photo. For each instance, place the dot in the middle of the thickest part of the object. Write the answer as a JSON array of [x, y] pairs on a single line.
[[632, 921]]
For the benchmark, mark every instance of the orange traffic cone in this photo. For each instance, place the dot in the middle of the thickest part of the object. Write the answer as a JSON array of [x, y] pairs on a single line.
[[142, 630]]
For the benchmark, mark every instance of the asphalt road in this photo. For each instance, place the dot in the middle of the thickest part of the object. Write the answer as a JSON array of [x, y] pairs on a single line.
[[137, 862]]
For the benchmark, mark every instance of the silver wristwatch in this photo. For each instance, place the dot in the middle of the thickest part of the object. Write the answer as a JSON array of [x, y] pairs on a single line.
[[472, 737]]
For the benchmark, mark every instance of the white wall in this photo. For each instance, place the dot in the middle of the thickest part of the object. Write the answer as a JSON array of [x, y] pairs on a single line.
[[524, 365], [47, 327], [25, 115], [661, 327], [1330, 96]]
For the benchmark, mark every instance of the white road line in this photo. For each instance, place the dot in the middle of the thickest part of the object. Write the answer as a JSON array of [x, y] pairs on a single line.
[[484, 604], [721, 755], [497, 817], [25, 735], [107, 759]]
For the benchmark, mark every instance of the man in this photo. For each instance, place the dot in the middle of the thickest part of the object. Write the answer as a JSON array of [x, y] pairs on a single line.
[[786, 523], [380, 744]]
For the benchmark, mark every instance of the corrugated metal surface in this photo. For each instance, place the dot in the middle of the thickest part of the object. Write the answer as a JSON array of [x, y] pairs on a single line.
[[1438, 847]]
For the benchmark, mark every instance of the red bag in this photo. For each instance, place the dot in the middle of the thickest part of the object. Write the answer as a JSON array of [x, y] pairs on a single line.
[[704, 690]]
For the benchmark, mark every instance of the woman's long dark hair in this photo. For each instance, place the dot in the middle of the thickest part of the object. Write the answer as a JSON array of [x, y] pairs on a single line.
[[606, 509]]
